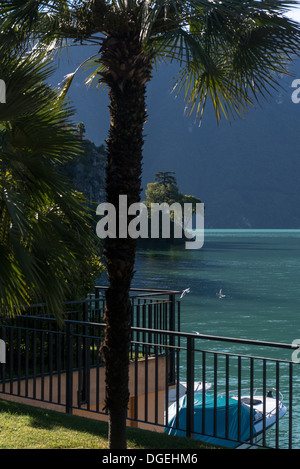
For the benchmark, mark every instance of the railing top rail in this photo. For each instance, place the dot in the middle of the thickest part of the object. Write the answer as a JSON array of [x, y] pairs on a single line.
[[90, 300], [217, 338], [69, 302], [187, 335], [151, 291], [166, 292]]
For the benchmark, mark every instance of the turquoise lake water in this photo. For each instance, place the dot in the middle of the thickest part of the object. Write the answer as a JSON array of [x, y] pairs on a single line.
[[258, 271]]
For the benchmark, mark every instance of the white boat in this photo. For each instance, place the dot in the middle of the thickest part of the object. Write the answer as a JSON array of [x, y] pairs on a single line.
[[227, 421], [182, 389], [266, 411]]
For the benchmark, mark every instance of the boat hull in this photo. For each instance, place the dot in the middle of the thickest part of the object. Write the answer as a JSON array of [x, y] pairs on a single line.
[[227, 421]]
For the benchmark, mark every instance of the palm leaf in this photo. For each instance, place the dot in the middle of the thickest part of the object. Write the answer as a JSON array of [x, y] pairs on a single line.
[[45, 228], [229, 56]]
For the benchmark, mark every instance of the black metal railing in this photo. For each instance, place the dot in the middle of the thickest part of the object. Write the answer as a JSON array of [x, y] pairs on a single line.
[[64, 367], [151, 308]]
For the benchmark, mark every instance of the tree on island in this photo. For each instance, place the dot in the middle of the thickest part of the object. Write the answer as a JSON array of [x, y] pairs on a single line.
[[165, 190], [230, 53], [80, 129], [165, 178]]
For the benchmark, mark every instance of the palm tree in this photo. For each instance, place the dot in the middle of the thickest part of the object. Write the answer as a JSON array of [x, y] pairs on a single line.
[[230, 53], [46, 236]]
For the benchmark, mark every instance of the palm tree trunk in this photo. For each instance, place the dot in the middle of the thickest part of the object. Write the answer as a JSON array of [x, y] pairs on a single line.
[[126, 75]]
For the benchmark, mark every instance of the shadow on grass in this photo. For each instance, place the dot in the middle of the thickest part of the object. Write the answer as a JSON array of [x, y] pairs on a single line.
[[137, 438], [49, 419]]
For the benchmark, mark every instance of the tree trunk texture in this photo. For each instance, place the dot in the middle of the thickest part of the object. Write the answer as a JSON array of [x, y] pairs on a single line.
[[127, 71]]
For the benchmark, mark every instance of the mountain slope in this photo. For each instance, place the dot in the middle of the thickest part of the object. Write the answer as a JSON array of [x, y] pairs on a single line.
[[246, 173]]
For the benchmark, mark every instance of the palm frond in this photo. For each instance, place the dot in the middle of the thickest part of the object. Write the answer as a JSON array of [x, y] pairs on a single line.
[[231, 53], [45, 234], [68, 79], [235, 47]]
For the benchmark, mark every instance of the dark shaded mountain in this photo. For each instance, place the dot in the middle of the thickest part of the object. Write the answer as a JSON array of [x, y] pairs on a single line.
[[247, 173], [87, 172]]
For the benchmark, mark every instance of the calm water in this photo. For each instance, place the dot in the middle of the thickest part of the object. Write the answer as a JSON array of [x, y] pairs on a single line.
[[258, 271]]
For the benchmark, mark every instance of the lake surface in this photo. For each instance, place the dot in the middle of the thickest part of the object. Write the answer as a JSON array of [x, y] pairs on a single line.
[[258, 271]]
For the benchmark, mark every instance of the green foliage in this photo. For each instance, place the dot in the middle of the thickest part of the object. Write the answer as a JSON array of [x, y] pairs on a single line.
[[166, 191], [81, 129], [165, 177], [159, 193], [48, 247]]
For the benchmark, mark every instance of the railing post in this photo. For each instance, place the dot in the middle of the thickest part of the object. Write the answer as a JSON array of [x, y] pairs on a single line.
[[290, 406], [97, 305], [69, 368], [86, 361], [190, 362], [172, 338]]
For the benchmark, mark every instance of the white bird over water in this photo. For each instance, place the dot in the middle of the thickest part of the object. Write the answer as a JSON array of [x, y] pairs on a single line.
[[220, 294], [187, 290]]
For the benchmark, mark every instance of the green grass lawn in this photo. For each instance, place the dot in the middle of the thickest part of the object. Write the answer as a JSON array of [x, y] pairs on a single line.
[[25, 427]]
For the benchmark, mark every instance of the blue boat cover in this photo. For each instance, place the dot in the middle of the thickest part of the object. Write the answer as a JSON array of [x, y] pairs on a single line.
[[219, 436]]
